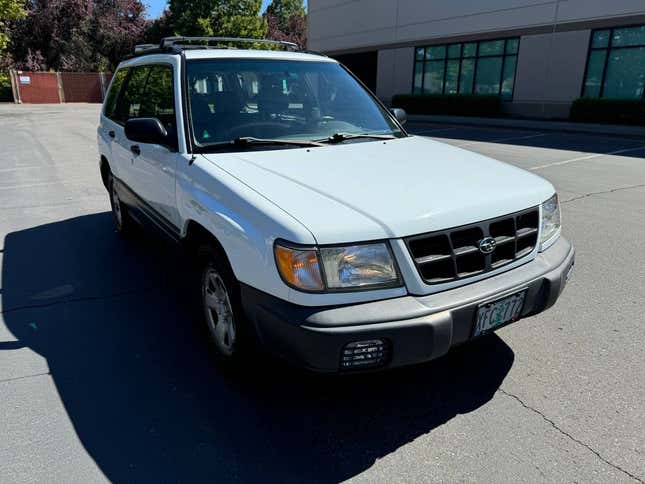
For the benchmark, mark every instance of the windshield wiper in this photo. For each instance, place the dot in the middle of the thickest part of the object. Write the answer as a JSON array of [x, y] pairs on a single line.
[[340, 137], [251, 141]]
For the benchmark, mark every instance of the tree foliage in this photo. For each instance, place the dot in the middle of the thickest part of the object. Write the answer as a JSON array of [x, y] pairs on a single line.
[[225, 18], [287, 20], [115, 27], [238, 18], [89, 35], [190, 17], [284, 11], [10, 12], [159, 28], [77, 35]]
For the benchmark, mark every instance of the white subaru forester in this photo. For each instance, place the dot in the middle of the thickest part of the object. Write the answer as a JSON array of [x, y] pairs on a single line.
[[324, 231]]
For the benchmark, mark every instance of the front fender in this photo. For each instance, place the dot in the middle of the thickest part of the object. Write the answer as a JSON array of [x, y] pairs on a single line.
[[244, 222]]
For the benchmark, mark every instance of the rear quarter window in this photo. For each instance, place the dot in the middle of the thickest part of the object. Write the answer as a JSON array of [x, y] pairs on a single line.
[[131, 100], [113, 93]]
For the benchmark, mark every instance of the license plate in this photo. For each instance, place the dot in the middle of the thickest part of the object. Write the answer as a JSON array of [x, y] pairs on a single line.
[[497, 313]]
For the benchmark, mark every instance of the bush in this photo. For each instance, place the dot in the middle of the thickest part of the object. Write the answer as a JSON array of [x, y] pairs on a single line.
[[5, 88], [449, 104], [609, 111]]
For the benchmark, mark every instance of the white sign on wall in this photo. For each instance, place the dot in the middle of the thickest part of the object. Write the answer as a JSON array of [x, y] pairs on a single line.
[[25, 80]]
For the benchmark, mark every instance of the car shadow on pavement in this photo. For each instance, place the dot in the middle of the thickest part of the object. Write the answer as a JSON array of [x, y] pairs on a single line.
[[149, 403], [469, 136]]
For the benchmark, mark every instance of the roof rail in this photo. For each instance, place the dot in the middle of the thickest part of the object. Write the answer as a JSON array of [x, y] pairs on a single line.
[[170, 42]]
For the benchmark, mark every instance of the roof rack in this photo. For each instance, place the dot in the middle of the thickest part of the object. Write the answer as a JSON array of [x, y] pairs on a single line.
[[141, 48], [176, 45], [170, 42]]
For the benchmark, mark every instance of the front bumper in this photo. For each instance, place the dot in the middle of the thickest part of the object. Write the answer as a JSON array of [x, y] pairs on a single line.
[[416, 328]]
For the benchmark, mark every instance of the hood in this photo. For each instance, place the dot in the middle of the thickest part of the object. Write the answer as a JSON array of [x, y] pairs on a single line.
[[361, 191]]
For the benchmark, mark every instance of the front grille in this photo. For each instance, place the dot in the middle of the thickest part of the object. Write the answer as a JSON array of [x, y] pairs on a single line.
[[454, 254]]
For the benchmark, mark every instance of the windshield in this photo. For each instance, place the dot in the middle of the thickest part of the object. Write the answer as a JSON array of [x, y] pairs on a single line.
[[279, 99]]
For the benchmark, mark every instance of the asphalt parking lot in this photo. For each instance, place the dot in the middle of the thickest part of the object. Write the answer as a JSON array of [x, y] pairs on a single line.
[[103, 375]]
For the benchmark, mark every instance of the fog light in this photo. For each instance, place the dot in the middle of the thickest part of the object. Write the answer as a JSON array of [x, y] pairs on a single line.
[[364, 354]]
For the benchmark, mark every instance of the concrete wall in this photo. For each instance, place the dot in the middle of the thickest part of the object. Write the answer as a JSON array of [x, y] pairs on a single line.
[[394, 73], [554, 39], [337, 25], [550, 73]]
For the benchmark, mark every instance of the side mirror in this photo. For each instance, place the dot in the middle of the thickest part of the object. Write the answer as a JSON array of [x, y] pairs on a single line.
[[148, 130], [400, 115]]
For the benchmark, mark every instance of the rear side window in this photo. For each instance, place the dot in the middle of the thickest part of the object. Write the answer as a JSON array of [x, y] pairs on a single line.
[[148, 93], [131, 100], [158, 100], [113, 94]]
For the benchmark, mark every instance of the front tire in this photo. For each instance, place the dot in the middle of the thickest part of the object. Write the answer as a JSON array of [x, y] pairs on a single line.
[[221, 308], [122, 221]]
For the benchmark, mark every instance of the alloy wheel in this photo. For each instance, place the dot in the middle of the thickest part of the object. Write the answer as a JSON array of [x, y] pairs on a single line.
[[218, 311]]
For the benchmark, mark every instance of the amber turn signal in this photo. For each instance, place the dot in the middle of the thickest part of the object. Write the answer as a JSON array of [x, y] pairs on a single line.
[[299, 267]]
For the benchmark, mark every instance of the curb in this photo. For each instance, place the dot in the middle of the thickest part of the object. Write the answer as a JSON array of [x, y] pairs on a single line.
[[560, 126]]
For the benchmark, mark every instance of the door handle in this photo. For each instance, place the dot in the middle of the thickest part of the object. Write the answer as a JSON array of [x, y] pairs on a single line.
[[111, 134], [135, 149]]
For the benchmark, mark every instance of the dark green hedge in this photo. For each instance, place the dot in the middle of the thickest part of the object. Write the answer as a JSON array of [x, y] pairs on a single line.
[[450, 104], [5, 88], [609, 111]]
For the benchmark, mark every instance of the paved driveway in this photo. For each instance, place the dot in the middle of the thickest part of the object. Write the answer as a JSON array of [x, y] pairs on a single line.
[[103, 375]]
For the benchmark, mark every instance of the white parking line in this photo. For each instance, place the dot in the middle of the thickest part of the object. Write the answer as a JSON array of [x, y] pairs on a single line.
[[67, 181], [19, 168], [587, 157]]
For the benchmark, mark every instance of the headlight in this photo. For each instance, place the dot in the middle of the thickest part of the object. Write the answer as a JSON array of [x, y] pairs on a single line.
[[550, 224], [358, 266], [343, 268]]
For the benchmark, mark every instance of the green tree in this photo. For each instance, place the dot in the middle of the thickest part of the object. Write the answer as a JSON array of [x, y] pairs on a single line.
[[76, 35], [190, 17], [10, 11], [159, 28], [225, 18], [238, 18], [284, 11], [287, 20]]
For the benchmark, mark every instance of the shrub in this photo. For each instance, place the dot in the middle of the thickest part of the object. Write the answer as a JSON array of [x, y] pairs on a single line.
[[5, 88], [609, 111], [449, 104]]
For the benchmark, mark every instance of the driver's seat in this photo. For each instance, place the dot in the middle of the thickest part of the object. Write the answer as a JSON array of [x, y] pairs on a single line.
[[216, 114], [272, 101]]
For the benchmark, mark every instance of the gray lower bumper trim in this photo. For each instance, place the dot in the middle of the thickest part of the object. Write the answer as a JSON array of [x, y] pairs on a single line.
[[417, 328]]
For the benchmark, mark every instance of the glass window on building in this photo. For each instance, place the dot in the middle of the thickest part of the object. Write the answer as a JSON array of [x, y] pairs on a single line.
[[485, 67], [616, 64]]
